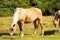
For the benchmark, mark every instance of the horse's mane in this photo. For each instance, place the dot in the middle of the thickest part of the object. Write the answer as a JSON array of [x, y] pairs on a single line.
[[18, 8]]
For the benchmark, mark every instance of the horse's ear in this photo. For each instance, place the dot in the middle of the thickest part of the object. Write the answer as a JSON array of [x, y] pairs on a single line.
[[17, 9]]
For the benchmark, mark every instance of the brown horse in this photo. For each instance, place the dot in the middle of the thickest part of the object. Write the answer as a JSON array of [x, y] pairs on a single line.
[[28, 15], [56, 17]]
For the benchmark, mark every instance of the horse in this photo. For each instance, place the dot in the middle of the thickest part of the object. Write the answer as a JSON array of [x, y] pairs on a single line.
[[27, 15], [55, 20]]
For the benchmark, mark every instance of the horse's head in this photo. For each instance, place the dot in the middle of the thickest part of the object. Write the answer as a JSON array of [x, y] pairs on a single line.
[[55, 21], [12, 29]]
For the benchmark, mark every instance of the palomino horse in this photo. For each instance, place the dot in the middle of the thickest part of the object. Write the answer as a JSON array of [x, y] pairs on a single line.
[[55, 21], [28, 15]]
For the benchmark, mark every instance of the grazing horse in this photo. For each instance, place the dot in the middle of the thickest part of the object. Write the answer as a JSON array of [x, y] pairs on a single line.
[[56, 17], [28, 15]]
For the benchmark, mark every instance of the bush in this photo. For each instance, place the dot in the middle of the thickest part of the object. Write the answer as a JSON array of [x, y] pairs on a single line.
[[6, 12], [48, 7]]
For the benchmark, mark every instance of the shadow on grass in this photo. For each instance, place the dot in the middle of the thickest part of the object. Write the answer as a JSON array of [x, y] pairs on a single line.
[[27, 34], [51, 32], [6, 34]]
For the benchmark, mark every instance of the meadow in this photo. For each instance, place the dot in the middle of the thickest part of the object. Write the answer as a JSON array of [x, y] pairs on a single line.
[[50, 33]]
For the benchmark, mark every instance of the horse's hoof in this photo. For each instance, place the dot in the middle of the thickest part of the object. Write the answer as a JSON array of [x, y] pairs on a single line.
[[33, 34], [22, 35], [42, 35], [11, 34]]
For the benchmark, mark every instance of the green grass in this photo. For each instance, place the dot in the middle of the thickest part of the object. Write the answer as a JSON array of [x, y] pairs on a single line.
[[28, 30]]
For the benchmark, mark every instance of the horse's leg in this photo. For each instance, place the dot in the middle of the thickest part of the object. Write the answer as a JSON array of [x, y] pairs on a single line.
[[35, 28], [21, 28], [42, 28]]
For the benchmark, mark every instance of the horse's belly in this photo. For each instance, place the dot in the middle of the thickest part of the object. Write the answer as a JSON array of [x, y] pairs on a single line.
[[30, 19]]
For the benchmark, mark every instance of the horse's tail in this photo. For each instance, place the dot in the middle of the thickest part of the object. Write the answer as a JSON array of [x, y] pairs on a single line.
[[39, 14]]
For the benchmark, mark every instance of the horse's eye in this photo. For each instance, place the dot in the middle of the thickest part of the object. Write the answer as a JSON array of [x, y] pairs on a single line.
[[12, 29]]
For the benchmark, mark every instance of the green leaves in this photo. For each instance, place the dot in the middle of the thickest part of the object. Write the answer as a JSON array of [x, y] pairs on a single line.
[[6, 12], [48, 7]]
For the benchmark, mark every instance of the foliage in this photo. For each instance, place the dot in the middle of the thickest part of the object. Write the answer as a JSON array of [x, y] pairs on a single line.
[[48, 7], [6, 12]]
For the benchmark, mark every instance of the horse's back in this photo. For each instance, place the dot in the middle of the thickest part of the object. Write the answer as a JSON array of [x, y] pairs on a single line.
[[36, 11], [29, 14], [33, 13]]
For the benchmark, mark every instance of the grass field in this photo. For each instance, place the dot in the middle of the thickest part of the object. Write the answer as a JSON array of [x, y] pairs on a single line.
[[50, 34]]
